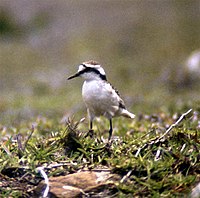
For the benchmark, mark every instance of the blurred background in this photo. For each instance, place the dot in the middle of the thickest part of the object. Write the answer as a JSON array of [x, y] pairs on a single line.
[[149, 50]]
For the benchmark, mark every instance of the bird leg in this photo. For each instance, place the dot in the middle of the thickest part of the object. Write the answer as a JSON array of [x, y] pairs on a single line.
[[90, 132], [110, 130], [91, 125]]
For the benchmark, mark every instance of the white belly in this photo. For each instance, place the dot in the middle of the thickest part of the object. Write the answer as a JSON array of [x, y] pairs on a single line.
[[98, 99]]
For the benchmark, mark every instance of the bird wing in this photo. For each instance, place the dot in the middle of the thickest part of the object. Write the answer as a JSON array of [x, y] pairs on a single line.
[[116, 94]]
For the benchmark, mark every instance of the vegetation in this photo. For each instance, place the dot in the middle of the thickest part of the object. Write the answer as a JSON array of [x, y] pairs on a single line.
[[143, 47], [148, 163]]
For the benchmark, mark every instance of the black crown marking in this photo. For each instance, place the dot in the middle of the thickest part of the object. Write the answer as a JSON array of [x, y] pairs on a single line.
[[92, 69]]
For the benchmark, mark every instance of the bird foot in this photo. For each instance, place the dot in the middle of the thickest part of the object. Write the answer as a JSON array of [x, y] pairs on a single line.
[[90, 133], [108, 144]]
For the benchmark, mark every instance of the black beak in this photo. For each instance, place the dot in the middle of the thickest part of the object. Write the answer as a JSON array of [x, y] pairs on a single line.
[[74, 76]]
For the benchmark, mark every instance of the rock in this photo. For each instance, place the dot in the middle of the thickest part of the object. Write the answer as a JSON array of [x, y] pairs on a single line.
[[78, 184]]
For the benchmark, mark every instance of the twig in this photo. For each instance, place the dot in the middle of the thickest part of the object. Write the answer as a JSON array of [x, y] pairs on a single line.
[[157, 155], [126, 176], [175, 124], [157, 139], [138, 151], [46, 180], [183, 147]]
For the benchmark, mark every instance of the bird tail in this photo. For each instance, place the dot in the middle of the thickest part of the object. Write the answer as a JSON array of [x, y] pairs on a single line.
[[127, 114]]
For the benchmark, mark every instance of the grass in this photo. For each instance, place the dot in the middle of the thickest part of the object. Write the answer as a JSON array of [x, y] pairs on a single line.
[[145, 60], [166, 168]]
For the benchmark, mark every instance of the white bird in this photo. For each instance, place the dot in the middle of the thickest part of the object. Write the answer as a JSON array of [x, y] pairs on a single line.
[[100, 98]]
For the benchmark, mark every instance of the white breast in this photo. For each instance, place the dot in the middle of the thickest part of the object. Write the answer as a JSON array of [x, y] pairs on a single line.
[[100, 98]]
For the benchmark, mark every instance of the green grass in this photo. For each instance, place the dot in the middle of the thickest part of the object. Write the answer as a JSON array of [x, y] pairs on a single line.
[[143, 57], [173, 173]]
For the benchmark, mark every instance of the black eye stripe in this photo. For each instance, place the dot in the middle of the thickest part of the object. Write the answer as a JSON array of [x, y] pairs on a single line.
[[91, 69]]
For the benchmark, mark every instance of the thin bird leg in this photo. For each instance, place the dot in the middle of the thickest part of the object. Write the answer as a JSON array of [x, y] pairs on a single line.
[[91, 124], [110, 130], [90, 132]]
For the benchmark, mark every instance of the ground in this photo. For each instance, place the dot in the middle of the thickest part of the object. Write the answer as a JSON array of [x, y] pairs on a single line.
[[148, 161]]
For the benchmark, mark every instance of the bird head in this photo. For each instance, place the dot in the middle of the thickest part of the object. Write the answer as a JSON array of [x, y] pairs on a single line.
[[90, 70]]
